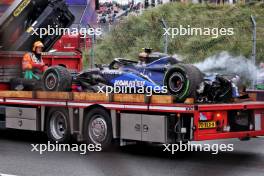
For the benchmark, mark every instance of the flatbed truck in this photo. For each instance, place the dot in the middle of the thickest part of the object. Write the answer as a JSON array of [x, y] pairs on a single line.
[[100, 118]]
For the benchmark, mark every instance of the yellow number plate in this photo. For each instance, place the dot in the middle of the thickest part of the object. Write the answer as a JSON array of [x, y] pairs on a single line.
[[204, 125]]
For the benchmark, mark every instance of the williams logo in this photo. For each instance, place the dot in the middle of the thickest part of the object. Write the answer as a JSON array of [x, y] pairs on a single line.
[[21, 7]]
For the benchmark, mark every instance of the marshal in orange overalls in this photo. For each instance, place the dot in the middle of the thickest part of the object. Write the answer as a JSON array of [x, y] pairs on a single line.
[[32, 63]]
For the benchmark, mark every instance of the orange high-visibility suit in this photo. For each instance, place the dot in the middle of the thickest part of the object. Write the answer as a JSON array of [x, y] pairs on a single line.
[[31, 62]]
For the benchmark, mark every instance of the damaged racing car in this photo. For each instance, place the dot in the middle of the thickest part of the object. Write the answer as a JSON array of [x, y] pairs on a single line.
[[158, 72]]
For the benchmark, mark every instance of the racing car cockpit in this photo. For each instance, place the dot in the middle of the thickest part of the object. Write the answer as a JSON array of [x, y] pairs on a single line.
[[117, 63]]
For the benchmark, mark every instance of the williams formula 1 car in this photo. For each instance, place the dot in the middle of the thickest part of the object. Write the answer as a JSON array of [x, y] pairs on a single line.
[[161, 73]]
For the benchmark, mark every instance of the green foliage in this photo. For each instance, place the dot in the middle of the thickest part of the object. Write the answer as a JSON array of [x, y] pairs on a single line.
[[135, 32]]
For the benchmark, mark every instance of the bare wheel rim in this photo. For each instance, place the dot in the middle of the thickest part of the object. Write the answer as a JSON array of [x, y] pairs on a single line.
[[97, 129], [58, 125], [51, 81]]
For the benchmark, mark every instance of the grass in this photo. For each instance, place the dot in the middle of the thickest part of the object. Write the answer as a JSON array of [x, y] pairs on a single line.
[[136, 32]]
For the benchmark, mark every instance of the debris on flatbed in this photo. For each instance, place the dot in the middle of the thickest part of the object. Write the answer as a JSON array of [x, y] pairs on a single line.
[[218, 88]]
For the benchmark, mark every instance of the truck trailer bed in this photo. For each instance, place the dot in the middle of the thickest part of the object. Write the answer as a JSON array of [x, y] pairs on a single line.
[[118, 101], [125, 108]]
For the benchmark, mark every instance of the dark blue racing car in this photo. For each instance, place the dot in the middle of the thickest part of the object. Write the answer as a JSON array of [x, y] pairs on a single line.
[[157, 72]]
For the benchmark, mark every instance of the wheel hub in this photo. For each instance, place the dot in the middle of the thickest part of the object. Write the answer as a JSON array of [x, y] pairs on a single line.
[[176, 82], [51, 81], [58, 125], [98, 130]]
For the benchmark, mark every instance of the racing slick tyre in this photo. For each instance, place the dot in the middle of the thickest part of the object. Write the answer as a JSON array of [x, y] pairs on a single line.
[[57, 78], [58, 126], [98, 128], [182, 81]]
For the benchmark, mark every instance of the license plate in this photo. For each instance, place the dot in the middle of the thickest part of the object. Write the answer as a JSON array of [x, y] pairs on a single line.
[[204, 125]]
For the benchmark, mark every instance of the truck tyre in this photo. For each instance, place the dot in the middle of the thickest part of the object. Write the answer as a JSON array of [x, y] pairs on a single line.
[[58, 126], [182, 81], [57, 78], [98, 128]]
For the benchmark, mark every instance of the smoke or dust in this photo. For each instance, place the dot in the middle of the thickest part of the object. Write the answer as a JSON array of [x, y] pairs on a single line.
[[224, 63]]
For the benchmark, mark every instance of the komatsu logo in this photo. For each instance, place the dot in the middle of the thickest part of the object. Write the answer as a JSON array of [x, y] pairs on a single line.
[[112, 72], [21, 7], [127, 83]]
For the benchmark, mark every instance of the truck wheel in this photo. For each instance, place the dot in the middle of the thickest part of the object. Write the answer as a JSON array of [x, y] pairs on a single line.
[[98, 128], [182, 81], [58, 126], [57, 78]]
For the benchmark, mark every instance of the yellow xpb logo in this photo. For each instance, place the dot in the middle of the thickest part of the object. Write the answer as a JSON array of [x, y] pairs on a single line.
[[21, 7]]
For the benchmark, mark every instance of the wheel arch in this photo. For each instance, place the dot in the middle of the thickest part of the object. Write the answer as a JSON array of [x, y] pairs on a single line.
[[87, 109]]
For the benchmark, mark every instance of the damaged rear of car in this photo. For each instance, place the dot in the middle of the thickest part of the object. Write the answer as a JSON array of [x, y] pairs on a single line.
[[218, 88]]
